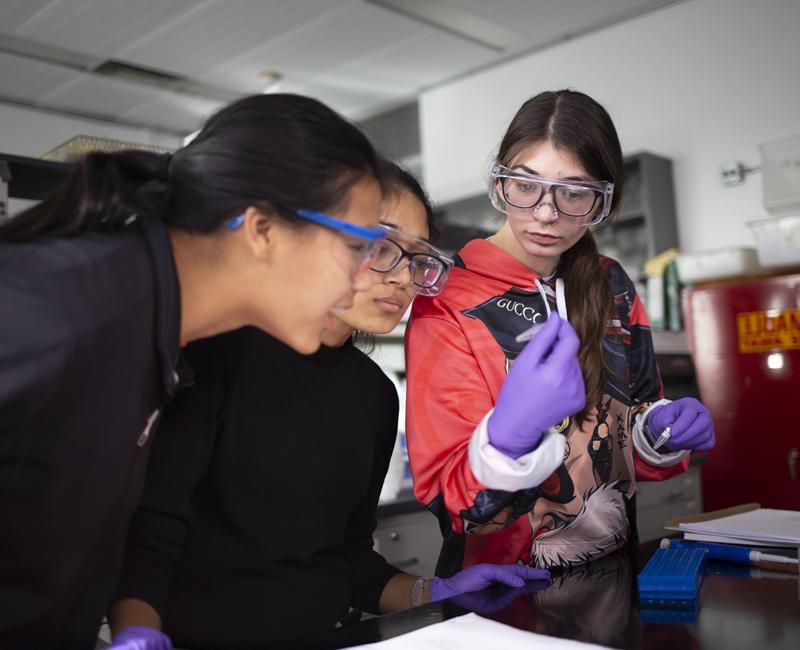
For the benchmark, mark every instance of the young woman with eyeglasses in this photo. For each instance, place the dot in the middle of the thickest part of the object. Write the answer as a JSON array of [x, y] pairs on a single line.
[[256, 524], [529, 452], [133, 257]]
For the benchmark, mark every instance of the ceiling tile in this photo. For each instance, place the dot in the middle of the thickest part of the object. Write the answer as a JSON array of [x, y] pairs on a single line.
[[322, 42], [171, 111], [22, 78], [354, 100], [101, 27], [14, 13], [546, 21], [103, 96], [427, 59], [217, 33]]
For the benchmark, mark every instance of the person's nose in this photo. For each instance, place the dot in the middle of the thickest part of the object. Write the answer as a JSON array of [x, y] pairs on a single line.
[[545, 211], [401, 275]]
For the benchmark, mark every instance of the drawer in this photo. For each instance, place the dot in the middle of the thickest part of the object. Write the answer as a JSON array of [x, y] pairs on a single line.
[[410, 542]]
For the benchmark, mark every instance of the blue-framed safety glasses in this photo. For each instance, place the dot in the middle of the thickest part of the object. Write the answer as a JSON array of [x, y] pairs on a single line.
[[363, 241]]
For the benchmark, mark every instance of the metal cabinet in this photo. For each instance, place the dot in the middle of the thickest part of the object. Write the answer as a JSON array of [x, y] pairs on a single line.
[[659, 501], [410, 542], [745, 341], [646, 225]]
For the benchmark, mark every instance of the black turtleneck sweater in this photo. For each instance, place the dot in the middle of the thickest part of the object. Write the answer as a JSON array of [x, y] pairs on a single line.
[[256, 523]]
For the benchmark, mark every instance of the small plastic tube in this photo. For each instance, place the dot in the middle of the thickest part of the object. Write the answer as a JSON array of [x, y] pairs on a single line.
[[665, 435], [528, 334]]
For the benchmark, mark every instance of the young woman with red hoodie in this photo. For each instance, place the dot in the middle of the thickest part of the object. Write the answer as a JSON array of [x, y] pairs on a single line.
[[530, 453]]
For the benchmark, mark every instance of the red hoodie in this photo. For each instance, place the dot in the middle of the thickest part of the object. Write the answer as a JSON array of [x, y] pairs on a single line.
[[565, 503]]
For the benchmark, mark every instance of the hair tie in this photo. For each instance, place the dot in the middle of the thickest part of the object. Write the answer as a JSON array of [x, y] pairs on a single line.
[[163, 169]]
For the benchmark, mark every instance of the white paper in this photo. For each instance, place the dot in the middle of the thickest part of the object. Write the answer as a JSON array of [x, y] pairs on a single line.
[[765, 524], [473, 632], [741, 541]]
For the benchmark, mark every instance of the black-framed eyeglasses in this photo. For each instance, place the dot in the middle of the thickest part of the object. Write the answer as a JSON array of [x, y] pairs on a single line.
[[428, 266]]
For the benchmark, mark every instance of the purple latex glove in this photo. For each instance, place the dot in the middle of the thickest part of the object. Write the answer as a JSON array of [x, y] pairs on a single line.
[[544, 386], [141, 638], [489, 600], [690, 423], [481, 576]]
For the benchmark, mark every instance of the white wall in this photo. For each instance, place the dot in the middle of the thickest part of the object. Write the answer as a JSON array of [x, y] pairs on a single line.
[[28, 132], [701, 82]]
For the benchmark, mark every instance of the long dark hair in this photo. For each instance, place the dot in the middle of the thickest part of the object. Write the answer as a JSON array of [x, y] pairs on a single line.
[[278, 152], [576, 123], [396, 180]]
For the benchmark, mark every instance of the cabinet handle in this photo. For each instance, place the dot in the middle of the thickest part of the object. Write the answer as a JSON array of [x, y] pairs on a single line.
[[394, 536], [791, 459]]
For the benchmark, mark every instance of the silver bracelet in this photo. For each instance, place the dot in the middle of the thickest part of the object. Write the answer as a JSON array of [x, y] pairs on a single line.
[[416, 592]]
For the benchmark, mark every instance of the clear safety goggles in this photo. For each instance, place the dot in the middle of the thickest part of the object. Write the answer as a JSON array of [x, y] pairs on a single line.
[[584, 203], [363, 242], [428, 266]]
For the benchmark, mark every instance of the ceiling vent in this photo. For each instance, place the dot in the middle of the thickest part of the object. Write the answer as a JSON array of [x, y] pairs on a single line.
[[151, 77]]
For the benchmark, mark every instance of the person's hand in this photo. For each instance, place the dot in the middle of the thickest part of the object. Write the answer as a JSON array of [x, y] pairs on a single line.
[[141, 638], [488, 601], [480, 576], [689, 421], [544, 386]]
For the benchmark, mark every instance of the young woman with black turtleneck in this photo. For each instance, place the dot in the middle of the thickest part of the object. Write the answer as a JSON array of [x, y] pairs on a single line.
[[256, 524]]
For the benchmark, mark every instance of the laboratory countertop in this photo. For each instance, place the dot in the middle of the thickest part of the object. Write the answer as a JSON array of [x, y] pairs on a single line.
[[739, 607]]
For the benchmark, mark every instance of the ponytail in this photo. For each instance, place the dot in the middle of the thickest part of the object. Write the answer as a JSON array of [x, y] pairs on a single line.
[[103, 192], [590, 304]]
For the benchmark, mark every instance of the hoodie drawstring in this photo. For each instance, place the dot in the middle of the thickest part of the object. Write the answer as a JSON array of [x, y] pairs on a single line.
[[561, 298]]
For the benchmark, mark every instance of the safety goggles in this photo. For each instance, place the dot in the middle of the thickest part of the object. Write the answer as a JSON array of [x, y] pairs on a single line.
[[363, 242], [584, 203], [428, 266]]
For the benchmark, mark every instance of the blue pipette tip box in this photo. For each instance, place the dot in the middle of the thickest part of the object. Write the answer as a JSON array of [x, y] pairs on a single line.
[[673, 574]]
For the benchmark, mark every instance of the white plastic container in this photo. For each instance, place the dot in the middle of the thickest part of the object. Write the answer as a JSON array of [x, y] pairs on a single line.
[[777, 240], [719, 264]]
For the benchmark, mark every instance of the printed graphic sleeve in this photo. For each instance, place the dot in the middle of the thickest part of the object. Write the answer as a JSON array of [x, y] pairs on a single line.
[[448, 400], [645, 387]]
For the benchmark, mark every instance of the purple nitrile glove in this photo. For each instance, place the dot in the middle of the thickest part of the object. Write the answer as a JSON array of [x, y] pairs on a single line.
[[544, 386], [481, 576], [489, 600], [139, 637], [689, 421]]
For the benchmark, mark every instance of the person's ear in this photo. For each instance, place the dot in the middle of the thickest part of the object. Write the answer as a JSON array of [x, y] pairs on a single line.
[[259, 229]]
